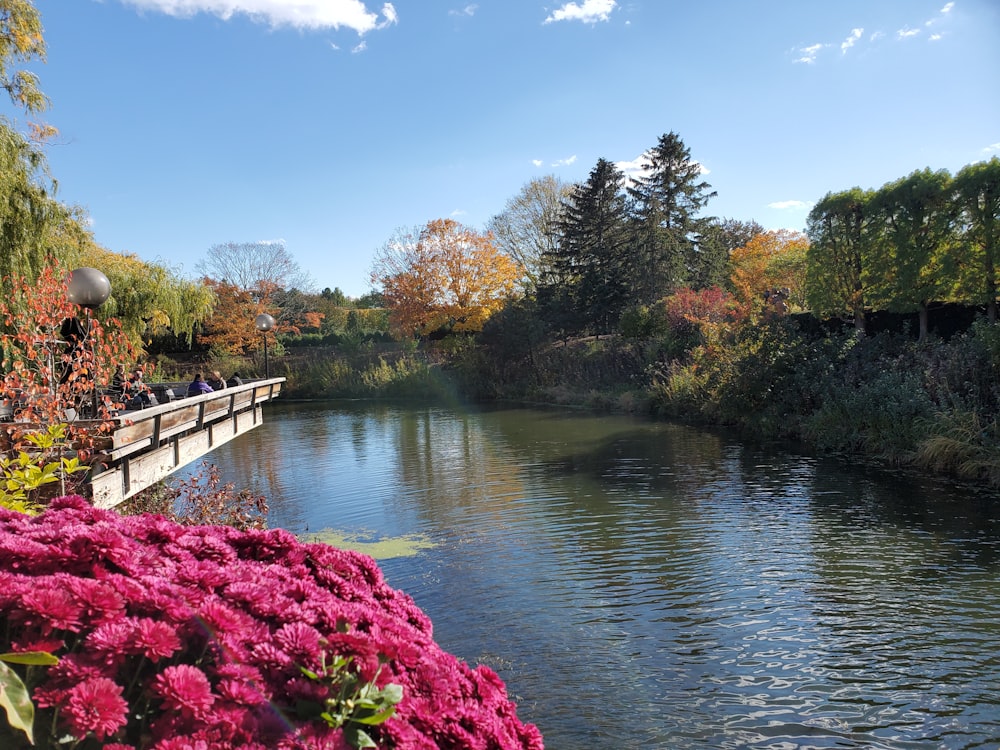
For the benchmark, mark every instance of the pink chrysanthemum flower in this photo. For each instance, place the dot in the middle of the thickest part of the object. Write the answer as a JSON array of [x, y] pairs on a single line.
[[241, 693], [300, 641], [157, 640], [185, 689], [183, 743], [218, 616], [55, 608], [97, 706], [99, 601], [205, 544], [111, 638], [49, 645]]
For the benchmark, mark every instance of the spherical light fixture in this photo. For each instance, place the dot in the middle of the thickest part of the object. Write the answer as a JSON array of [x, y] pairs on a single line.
[[88, 287], [264, 324]]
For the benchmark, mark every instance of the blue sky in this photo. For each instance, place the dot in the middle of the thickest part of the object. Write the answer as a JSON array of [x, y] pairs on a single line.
[[328, 124]]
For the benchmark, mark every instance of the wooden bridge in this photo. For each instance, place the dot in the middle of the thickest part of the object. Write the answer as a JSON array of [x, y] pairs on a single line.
[[147, 445]]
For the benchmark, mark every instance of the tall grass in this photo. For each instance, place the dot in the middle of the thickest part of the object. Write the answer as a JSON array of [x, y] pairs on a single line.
[[406, 376]]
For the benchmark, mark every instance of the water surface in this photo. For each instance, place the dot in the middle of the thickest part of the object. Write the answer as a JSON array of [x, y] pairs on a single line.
[[649, 585]]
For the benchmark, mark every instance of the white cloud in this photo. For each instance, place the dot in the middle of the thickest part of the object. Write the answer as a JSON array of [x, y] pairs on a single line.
[[634, 168], [637, 167], [458, 212], [391, 18], [942, 15], [299, 14], [591, 11], [468, 10], [991, 148], [537, 162], [808, 54], [785, 205], [359, 47], [851, 40], [564, 162]]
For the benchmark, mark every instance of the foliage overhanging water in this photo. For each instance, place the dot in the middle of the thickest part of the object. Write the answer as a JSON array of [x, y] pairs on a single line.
[[648, 585]]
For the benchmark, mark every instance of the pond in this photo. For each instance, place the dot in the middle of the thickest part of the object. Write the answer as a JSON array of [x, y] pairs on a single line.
[[643, 584]]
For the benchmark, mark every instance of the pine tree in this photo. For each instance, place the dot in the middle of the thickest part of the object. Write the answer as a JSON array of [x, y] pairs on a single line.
[[665, 204], [586, 286]]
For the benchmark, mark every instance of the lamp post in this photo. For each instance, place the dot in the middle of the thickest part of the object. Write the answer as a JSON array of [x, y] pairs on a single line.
[[265, 323], [89, 288]]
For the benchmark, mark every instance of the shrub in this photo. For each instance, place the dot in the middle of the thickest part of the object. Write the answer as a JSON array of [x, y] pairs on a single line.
[[172, 637], [201, 499], [963, 444]]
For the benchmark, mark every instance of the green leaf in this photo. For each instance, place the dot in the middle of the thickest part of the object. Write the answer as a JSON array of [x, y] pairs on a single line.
[[379, 718], [393, 693], [357, 737], [15, 701], [33, 658]]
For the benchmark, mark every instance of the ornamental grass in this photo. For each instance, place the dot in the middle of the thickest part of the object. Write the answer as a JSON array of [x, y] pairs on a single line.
[[173, 637]]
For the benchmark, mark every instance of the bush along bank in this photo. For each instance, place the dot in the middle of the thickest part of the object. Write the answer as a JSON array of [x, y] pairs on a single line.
[[932, 405]]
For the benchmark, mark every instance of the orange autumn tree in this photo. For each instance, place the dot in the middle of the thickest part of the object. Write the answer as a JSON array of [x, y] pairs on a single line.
[[444, 276], [47, 383], [772, 260], [231, 327]]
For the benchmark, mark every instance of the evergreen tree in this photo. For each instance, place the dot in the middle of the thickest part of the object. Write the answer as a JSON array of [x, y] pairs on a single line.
[[586, 285], [528, 227], [665, 204]]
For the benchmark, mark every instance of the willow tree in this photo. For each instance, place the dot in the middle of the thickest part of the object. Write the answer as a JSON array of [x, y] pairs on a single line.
[[28, 209], [913, 228], [27, 204], [977, 194], [21, 41], [148, 298], [837, 272]]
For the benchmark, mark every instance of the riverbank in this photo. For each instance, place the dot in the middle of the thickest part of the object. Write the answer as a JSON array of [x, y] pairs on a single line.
[[931, 405]]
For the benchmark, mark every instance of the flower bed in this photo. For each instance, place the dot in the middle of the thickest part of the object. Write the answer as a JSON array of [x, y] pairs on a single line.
[[177, 637]]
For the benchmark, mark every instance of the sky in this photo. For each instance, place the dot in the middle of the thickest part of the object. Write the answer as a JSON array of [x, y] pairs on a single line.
[[329, 125]]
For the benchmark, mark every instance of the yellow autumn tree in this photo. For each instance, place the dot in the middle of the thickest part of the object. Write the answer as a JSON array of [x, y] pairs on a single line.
[[443, 276], [772, 260]]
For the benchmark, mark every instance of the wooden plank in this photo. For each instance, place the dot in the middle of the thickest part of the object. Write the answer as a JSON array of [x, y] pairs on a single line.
[[134, 474]]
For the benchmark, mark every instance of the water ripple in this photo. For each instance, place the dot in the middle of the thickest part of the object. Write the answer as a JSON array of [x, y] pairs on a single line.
[[652, 586]]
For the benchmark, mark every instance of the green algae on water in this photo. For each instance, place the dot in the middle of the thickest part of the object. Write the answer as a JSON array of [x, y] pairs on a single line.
[[385, 548]]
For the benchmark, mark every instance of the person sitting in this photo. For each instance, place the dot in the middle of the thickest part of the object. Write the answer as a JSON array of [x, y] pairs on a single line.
[[215, 380], [198, 386], [139, 394], [234, 380]]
